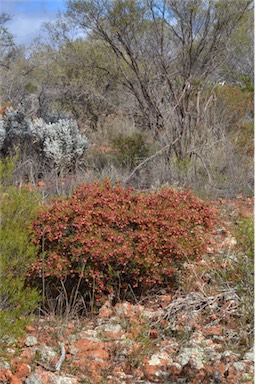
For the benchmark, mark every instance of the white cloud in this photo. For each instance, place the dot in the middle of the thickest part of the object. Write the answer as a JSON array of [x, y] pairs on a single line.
[[24, 27], [28, 16]]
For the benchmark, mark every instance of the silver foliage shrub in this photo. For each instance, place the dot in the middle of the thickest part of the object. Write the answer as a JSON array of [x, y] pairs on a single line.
[[57, 145], [2, 133], [61, 142]]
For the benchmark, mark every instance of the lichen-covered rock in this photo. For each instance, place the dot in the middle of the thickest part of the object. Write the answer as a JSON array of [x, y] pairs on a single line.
[[249, 356], [193, 355], [46, 353], [31, 341], [52, 378], [110, 330], [33, 379]]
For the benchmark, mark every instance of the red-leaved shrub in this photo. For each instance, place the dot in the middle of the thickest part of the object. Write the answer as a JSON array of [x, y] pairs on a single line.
[[111, 238]]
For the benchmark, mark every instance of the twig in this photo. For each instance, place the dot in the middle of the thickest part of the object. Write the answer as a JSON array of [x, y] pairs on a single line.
[[205, 166], [62, 357], [194, 301]]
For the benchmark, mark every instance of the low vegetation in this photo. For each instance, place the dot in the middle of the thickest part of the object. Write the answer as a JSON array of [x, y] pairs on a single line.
[[109, 141], [106, 239], [18, 209]]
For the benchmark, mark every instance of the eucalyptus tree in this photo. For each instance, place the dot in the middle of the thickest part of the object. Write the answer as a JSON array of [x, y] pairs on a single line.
[[15, 67], [165, 52], [70, 75]]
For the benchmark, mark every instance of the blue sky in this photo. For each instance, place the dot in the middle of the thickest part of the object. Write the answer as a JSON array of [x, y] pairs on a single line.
[[28, 16]]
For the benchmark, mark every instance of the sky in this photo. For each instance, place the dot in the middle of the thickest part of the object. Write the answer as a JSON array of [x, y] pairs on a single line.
[[28, 16]]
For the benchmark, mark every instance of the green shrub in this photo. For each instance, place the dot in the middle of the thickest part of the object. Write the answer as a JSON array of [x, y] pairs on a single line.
[[18, 207], [129, 150], [244, 275], [110, 239], [245, 236]]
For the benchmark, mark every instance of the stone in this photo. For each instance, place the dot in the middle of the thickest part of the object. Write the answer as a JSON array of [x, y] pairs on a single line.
[[111, 331], [157, 365], [159, 359], [249, 356], [239, 366], [194, 355], [4, 365], [23, 370], [154, 333], [5, 374], [47, 354], [15, 380], [165, 300], [128, 310], [33, 379], [106, 310], [29, 328], [175, 369], [31, 341], [65, 380]]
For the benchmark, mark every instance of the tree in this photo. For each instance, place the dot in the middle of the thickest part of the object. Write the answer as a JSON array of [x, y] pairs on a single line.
[[239, 66], [77, 82], [165, 51], [6, 40]]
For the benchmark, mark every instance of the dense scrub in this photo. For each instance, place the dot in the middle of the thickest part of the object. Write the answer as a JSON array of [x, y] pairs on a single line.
[[106, 239]]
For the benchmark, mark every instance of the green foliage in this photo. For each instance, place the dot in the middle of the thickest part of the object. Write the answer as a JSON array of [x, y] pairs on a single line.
[[237, 272], [245, 236], [241, 276], [108, 239], [18, 207], [30, 87], [243, 139], [129, 150], [7, 167]]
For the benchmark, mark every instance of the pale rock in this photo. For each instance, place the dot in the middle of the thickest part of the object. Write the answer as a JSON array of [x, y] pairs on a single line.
[[239, 366], [31, 341], [4, 365], [195, 355], [47, 353], [159, 358], [249, 356], [33, 379]]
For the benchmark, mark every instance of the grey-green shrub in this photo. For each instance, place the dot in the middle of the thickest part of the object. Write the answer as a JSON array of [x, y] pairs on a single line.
[[58, 145]]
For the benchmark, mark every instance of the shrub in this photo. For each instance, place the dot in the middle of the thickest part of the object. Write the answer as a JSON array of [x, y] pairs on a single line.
[[112, 238], [18, 207], [245, 236], [129, 150], [55, 145], [62, 144], [234, 105]]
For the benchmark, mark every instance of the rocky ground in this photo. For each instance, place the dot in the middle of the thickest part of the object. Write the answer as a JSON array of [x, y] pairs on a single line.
[[191, 335]]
